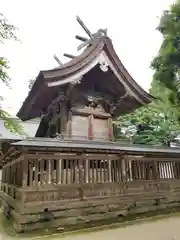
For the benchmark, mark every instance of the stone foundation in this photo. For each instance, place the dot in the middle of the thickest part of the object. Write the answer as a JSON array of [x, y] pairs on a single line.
[[87, 215]]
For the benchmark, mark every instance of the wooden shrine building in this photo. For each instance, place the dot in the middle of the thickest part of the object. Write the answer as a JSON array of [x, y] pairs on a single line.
[[72, 173]]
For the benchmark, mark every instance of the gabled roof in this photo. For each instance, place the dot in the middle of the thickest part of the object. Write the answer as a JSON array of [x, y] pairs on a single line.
[[48, 82]]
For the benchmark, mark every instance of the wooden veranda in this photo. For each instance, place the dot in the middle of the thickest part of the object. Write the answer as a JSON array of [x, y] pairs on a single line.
[[70, 182]]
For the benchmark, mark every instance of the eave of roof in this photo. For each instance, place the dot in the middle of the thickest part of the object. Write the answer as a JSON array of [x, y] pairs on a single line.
[[91, 144], [76, 65], [90, 53], [57, 145]]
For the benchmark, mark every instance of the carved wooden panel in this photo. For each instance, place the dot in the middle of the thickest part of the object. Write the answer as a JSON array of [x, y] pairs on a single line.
[[100, 128], [80, 126]]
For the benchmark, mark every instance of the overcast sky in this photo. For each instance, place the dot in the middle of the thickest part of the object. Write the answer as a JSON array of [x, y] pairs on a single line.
[[48, 27]]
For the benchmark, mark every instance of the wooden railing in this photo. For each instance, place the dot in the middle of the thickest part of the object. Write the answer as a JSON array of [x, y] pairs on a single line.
[[102, 190], [59, 177]]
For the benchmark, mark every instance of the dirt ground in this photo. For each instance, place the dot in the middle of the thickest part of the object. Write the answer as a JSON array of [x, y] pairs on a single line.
[[164, 229]]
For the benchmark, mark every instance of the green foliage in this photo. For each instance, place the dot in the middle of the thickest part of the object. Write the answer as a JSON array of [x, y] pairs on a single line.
[[156, 124], [167, 63], [7, 32], [159, 123]]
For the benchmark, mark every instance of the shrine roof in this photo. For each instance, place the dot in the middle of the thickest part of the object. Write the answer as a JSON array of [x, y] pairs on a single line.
[[52, 143], [53, 146], [49, 82]]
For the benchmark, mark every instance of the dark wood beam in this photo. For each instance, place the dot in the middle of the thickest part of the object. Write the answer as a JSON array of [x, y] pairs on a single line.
[[83, 39], [69, 55], [57, 60], [84, 27]]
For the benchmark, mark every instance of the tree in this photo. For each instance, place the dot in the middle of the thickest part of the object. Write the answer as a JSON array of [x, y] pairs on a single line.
[[156, 124], [167, 63], [7, 32], [159, 123]]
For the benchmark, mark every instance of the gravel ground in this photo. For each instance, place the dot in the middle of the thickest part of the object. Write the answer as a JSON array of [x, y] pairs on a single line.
[[163, 229]]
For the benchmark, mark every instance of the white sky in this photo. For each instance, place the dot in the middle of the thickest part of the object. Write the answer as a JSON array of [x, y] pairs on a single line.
[[48, 27]]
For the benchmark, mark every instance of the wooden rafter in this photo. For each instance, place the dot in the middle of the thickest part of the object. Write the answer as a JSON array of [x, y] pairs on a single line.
[[58, 60], [69, 55], [83, 39]]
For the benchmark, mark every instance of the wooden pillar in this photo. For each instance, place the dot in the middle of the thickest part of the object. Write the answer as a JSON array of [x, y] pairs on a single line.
[[18, 174], [30, 172], [21, 173], [130, 171], [155, 170], [63, 116], [12, 180], [58, 171], [110, 129], [86, 170], [123, 169], [81, 168], [8, 175], [42, 171], [75, 172], [4, 174], [2, 179], [36, 171], [49, 171], [6, 180], [109, 170], [12, 177], [11, 174], [25, 171], [15, 173], [4, 169], [90, 127], [81, 175], [69, 124], [58, 123]]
